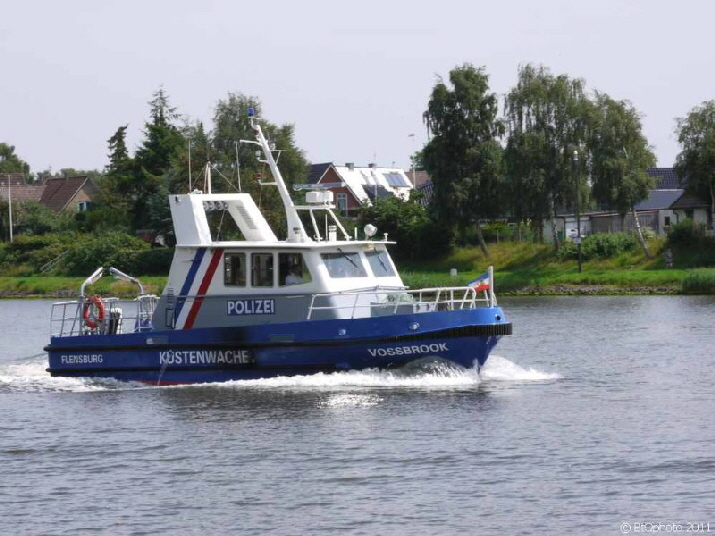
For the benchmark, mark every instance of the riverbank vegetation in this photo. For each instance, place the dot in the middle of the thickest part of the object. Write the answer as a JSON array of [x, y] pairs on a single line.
[[521, 268], [555, 147]]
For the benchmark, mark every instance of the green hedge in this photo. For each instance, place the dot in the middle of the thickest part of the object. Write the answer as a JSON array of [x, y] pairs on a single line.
[[599, 246]]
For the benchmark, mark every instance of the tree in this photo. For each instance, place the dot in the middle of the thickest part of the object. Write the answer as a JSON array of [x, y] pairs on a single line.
[[233, 159], [463, 156], [619, 158], [696, 160], [119, 161], [154, 160], [116, 187], [9, 161], [163, 138], [408, 223], [185, 175], [546, 120]]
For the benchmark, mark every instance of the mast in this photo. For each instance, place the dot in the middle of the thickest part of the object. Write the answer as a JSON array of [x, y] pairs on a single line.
[[296, 232]]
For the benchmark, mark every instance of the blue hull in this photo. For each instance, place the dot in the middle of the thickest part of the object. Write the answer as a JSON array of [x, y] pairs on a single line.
[[297, 348]]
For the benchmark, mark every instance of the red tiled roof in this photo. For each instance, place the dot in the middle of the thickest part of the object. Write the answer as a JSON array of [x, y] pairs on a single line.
[[60, 190], [420, 178], [22, 193], [16, 179]]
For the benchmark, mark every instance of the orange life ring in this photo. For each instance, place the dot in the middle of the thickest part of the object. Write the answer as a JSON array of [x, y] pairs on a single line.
[[93, 312]]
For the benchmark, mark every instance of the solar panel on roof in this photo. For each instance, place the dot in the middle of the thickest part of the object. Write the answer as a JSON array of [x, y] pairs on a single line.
[[396, 180]]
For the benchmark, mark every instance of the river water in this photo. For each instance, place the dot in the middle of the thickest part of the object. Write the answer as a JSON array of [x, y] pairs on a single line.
[[596, 417]]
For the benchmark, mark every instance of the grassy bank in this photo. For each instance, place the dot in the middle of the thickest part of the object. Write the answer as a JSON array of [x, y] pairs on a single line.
[[535, 269], [519, 269], [68, 287]]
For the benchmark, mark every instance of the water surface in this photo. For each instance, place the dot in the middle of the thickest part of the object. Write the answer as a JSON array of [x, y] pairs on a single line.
[[596, 412]]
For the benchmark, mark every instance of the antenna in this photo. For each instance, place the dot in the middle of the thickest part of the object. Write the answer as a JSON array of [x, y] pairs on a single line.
[[296, 232]]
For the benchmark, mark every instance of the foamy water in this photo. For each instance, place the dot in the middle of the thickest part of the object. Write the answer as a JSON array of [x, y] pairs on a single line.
[[29, 374]]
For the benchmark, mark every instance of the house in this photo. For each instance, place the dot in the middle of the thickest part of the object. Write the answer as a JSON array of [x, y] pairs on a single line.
[[693, 208], [418, 178], [687, 206], [68, 193], [667, 178], [353, 186], [13, 186], [666, 205]]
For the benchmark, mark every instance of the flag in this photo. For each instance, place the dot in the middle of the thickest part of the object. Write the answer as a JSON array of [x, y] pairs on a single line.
[[480, 283]]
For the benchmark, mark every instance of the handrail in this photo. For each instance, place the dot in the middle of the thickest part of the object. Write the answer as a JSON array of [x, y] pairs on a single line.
[[122, 316], [443, 298]]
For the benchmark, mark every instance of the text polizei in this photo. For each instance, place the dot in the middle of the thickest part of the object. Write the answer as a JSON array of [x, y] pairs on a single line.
[[251, 307]]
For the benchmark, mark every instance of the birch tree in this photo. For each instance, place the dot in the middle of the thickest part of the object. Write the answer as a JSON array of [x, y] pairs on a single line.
[[463, 155], [696, 160], [546, 120], [620, 155]]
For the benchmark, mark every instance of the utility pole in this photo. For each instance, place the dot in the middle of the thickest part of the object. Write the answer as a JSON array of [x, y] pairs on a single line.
[[578, 208], [414, 181]]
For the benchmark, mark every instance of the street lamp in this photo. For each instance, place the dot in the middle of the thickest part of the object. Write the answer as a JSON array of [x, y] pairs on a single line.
[[578, 208]]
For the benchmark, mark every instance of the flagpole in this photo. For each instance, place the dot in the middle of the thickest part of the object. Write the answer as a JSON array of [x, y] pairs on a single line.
[[492, 296]]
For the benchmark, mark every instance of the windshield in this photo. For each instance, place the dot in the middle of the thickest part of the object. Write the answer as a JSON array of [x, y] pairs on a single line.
[[380, 263], [343, 264]]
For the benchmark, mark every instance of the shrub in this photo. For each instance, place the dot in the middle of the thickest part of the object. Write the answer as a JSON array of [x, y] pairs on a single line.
[[111, 249], [28, 253], [688, 234], [599, 246], [156, 261]]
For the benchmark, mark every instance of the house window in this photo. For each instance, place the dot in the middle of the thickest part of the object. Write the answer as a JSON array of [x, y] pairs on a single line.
[[666, 222], [234, 269], [83, 206], [262, 269], [342, 199], [689, 214]]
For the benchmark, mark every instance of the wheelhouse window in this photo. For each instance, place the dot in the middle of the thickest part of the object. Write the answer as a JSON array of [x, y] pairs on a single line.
[[292, 269], [380, 263], [262, 269], [343, 264], [234, 269]]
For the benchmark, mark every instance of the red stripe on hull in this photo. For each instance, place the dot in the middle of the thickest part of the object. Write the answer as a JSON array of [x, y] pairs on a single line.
[[205, 282]]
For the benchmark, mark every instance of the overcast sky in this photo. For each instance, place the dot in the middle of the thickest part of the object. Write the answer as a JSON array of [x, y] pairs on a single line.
[[353, 77]]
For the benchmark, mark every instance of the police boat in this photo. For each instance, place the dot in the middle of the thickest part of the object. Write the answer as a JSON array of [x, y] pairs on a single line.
[[318, 301]]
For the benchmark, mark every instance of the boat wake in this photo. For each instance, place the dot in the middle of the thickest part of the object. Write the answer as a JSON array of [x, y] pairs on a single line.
[[29, 375], [499, 368]]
